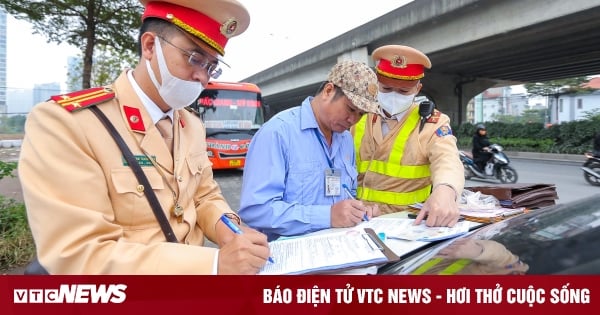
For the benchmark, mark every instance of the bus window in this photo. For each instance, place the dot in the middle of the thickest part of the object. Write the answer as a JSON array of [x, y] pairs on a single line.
[[232, 113]]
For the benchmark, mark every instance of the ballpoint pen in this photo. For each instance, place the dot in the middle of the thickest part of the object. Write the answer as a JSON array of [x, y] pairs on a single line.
[[347, 190], [236, 229], [414, 216]]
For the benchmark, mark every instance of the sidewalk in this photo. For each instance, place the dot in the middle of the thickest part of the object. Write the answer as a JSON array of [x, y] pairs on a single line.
[[571, 158], [574, 158]]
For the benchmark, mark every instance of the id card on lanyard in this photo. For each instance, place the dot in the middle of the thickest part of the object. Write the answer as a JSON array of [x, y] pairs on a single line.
[[333, 182], [333, 176]]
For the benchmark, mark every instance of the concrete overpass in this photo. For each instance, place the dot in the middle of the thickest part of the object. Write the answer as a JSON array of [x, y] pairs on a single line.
[[472, 44]]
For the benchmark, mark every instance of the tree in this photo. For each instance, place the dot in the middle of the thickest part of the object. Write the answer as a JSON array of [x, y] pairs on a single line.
[[560, 87], [12, 124], [556, 88], [533, 116], [82, 23], [107, 66]]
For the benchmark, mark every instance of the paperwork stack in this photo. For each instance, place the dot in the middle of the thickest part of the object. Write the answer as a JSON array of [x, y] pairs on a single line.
[[530, 196]]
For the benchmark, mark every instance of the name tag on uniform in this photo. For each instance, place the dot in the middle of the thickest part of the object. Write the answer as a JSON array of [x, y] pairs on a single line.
[[141, 159], [333, 182]]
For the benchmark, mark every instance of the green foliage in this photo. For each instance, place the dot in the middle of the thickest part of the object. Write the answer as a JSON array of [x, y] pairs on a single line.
[[7, 169], [528, 116], [556, 87], [82, 23], [573, 137], [593, 115], [16, 242], [525, 144], [12, 124]]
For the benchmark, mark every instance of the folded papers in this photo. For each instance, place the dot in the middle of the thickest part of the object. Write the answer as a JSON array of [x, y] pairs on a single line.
[[521, 195]]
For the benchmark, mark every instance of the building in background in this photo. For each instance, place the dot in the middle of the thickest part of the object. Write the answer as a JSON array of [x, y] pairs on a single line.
[[19, 99], [43, 92], [75, 75], [496, 102], [574, 106]]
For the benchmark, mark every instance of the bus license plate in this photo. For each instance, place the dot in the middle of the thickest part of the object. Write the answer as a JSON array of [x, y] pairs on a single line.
[[235, 162]]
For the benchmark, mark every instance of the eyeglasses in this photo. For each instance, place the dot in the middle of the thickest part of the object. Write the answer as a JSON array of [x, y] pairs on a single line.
[[199, 60]]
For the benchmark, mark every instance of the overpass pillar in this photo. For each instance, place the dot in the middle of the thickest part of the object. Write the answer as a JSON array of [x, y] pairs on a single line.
[[451, 93], [358, 54]]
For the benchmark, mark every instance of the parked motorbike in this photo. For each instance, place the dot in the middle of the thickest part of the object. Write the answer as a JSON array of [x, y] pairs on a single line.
[[497, 167], [591, 169]]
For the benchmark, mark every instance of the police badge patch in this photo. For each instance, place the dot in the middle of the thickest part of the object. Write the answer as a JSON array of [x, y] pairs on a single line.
[[443, 131]]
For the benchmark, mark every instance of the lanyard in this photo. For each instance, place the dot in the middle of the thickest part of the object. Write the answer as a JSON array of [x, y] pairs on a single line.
[[324, 147]]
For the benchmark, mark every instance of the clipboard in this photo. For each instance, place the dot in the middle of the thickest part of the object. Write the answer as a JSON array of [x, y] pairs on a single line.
[[389, 254], [328, 252]]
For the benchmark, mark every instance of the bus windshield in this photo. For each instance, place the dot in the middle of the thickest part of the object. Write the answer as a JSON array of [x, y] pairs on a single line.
[[230, 109]]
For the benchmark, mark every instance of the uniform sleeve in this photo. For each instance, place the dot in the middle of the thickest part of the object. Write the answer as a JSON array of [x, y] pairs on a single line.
[[444, 159]]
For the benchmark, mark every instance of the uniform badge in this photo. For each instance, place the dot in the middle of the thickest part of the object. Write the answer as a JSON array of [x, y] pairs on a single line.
[[399, 62], [443, 131], [435, 116], [229, 27], [134, 118], [81, 99]]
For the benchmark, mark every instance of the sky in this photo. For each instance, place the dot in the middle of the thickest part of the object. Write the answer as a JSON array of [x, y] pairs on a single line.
[[278, 30], [30, 59]]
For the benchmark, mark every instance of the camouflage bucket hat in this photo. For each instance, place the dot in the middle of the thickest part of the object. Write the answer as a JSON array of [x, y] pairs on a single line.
[[358, 82]]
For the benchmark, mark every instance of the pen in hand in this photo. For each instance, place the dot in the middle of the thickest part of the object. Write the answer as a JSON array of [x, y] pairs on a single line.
[[236, 229], [347, 190]]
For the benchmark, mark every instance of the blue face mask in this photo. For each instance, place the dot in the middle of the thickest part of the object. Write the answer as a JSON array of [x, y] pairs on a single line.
[[175, 92]]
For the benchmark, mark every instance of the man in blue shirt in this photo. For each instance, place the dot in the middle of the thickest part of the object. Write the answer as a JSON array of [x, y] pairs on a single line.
[[300, 161]]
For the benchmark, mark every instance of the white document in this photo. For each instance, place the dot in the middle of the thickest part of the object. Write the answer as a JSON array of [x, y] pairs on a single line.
[[323, 252], [401, 228]]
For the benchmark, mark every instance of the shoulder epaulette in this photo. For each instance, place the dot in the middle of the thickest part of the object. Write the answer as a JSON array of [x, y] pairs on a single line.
[[435, 116], [81, 99]]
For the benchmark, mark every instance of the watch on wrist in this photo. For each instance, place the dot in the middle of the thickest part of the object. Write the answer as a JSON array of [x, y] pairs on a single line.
[[233, 216]]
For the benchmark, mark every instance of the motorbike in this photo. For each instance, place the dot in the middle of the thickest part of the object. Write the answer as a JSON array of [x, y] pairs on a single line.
[[591, 169], [497, 167]]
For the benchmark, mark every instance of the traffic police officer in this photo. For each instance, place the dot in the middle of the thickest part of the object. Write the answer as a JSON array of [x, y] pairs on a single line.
[[403, 157], [86, 209]]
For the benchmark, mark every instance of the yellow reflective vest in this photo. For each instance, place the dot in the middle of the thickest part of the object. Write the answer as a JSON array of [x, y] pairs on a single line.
[[404, 166], [384, 165]]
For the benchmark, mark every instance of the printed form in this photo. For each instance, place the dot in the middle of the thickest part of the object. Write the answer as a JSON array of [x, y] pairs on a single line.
[[400, 228], [320, 252]]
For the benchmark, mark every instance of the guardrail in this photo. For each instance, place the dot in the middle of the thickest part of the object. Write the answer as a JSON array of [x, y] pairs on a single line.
[[11, 143]]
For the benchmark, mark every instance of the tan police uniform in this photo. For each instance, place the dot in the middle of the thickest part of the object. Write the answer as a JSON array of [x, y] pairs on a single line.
[[86, 209], [403, 166]]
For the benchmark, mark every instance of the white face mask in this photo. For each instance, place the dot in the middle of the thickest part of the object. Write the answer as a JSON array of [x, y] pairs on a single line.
[[175, 92], [395, 103]]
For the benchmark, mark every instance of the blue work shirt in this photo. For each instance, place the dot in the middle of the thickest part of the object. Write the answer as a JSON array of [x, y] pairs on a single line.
[[283, 189]]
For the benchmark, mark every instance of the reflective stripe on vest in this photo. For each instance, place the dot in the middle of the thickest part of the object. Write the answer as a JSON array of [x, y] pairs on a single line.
[[394, 198], [392, 166], [454, 268]]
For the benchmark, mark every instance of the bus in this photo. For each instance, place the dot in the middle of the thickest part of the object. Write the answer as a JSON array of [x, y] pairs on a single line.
[[232, 113]]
